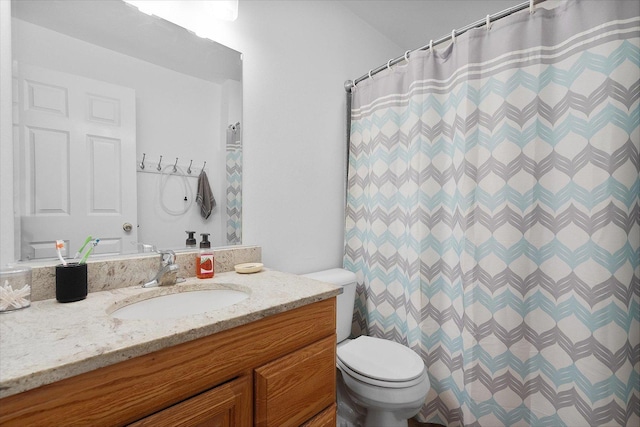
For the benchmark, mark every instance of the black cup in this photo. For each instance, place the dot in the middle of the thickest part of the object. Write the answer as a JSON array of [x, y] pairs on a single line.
[[71, 282]]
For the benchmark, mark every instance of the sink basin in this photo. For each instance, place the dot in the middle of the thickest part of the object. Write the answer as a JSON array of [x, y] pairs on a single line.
[[180, 304]]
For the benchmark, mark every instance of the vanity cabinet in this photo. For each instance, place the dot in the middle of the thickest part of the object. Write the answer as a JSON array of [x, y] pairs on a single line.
[[279, 370], [326, 418], [226, 405], [295, 387]]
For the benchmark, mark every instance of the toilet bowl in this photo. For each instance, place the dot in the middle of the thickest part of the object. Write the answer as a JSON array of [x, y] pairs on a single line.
[[386, 381]]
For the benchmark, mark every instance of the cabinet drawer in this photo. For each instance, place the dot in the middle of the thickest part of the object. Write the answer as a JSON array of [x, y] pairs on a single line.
[[292, 389], [227, 405], [326, 418]]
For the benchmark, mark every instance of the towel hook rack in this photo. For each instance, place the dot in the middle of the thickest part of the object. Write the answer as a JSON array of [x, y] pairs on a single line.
[[189, 168], [159, 168], [142, 162], [175, 166]]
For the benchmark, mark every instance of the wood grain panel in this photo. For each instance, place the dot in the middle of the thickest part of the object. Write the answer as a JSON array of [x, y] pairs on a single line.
[[127, 391], [326, 418], [228, 405], [292, 389]]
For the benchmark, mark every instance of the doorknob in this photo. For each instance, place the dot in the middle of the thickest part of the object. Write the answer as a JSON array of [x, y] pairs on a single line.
[[127, 227]]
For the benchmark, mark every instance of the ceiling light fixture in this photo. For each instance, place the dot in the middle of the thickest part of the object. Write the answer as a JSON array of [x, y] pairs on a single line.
[[184, 12]]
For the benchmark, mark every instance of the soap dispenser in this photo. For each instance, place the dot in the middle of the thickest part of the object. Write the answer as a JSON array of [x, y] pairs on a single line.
[[204, 259], [191, 241]]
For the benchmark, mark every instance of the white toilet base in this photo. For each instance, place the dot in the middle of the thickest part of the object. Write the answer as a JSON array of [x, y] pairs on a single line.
[[349, 414], [385, 413], [376, 418]]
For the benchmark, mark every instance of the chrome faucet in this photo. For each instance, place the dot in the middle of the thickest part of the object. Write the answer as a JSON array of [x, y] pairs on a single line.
[[167, 274]]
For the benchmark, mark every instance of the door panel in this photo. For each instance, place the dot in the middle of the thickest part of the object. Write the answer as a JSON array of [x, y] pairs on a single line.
[[104, 175], [49, 151], [77, 162]]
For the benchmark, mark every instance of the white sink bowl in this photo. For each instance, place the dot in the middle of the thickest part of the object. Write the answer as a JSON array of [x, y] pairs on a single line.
[[186, 303]]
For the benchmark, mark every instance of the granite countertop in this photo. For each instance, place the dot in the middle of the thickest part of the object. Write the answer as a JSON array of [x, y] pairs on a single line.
[[50, 341]]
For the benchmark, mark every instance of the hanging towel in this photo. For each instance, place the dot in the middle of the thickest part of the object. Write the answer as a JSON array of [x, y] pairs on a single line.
[[205, 196]]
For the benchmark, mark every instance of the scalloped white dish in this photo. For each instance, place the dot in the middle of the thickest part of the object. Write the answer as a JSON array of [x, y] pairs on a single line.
[[249, 267]]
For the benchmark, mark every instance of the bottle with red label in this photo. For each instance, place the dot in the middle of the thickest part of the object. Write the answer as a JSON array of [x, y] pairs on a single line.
[[204, 259]]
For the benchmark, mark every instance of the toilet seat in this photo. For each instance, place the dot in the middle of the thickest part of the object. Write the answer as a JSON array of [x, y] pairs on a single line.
[[381, 362]]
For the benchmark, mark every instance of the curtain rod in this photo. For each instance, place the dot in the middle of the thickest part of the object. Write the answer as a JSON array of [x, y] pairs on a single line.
[[349, 84]]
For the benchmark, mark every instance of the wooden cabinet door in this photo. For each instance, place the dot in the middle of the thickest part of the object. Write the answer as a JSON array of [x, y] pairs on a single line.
[[228, 405], [326, 418], [294, 388]]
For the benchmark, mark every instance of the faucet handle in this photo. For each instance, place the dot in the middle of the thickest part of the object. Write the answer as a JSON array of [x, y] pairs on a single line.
[[167, 257]]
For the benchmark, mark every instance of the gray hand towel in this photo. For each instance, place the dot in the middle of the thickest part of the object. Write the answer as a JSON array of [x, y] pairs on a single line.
[[205, 196]]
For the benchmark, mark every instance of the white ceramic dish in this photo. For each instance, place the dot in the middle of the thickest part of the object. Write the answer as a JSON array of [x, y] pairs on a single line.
[[249, 267]]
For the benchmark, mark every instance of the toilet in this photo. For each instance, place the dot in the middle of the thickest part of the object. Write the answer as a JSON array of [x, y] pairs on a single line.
[[380, 382]]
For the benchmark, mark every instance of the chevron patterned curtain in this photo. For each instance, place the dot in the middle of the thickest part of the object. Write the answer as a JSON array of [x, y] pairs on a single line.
[[234, 184], [493, 217]]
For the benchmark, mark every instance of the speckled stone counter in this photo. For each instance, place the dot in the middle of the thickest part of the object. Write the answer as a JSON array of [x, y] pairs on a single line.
[[50, 341], [131, 270]]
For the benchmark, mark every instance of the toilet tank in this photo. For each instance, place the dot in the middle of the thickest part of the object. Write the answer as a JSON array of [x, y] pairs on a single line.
[[345, 301]]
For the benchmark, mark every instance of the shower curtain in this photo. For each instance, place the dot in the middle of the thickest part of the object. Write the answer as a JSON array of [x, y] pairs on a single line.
[[234, 184], [493, 217]]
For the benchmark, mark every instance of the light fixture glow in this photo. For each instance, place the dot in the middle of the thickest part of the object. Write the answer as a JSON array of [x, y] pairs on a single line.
[[189, 13], [227, 10]]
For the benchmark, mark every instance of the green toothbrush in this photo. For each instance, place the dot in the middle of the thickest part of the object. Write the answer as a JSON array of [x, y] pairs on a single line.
[[82, 247], [84, 258]]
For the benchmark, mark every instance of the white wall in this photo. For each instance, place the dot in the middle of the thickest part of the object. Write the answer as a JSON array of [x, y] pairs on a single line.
[[6, 144], [297, 55]]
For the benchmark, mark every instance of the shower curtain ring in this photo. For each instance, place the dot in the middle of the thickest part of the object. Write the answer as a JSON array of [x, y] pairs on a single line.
[[159, 168], [406, 55], [532, 6], [453, 35], [431, 45], [388, 64], [370, 75], [488, 22]]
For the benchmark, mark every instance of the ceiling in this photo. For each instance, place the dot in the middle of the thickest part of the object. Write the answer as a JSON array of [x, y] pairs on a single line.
[[412, 23], [120, 27]]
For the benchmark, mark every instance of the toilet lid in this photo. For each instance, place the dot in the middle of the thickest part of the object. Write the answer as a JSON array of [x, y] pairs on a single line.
[[380, 359]]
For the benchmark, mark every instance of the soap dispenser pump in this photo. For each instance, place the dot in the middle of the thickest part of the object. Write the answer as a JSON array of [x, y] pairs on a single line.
[[204, 259], [191, 241]]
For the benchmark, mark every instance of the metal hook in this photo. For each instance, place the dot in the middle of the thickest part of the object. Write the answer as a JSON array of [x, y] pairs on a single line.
[[189, 168], [175, 166], [203, 166], [159, 168], [142, 162]]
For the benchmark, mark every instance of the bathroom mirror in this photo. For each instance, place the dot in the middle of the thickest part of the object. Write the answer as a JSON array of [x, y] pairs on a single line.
[[116, 113]]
